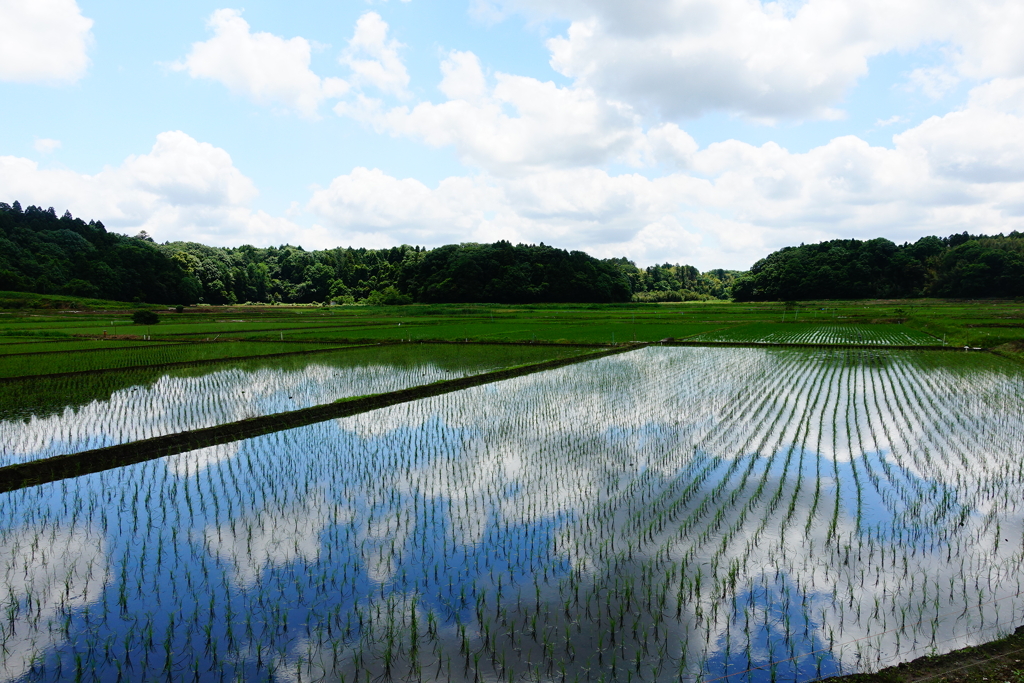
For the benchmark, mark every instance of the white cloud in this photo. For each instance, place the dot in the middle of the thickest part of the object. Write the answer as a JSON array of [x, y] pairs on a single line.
[[519, 124], [889, 121], [463, 77], [987, 37], [374, 59], [181, 189], [46, 145], [186, 172], [979, 144], [935, 82], [268, 69], [370, 208], [767, 60], [43, 41], [725, 206], [574, 209]]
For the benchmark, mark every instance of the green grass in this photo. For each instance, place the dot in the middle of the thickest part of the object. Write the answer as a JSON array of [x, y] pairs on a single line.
[[137, 356], [596, 331], [973, 323], [35, 346], [28, 300]]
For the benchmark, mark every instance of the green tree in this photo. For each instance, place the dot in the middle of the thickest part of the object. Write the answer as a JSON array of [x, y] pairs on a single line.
[[145, 318]]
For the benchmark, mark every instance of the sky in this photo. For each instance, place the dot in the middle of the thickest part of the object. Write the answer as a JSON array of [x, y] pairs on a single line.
[[707, 132]]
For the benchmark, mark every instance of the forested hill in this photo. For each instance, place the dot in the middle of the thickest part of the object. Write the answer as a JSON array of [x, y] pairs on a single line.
[[956, 266], [42, 253]]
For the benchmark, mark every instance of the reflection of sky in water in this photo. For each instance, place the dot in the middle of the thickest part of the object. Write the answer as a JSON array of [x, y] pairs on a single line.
[[656, 515]]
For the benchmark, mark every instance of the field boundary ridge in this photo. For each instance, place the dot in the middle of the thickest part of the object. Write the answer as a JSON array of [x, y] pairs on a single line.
[[177, 364]]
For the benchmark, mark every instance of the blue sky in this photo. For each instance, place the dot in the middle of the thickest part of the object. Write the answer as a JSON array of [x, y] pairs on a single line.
[[707, 132]]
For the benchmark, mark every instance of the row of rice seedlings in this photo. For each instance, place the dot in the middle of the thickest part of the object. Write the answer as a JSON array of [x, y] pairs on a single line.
[[624, 519], [176, 404], [70, 344], [179, 403], [818, 333]]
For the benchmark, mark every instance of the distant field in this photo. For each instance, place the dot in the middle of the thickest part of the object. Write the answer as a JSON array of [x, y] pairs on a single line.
[[818, 333], [594, 331], [246, 331]]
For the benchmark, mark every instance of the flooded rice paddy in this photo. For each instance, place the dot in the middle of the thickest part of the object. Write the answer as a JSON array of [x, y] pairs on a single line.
[[37, 419], [666, 514]]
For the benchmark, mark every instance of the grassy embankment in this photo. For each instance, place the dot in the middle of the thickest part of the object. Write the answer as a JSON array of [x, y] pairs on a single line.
[[996, 662]]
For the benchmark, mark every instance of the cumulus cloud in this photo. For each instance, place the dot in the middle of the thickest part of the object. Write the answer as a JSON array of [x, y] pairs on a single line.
[[181, 189], [767, 60], [272, 537], [43, 41], [521, 124], [374, 58], [275, 71], [266, 68], [572, 208]]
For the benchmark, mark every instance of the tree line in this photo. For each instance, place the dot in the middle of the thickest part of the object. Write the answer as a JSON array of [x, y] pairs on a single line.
[[41, 252], [958, 266]]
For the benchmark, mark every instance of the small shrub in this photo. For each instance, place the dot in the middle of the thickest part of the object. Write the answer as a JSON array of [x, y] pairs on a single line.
[[145, 318]]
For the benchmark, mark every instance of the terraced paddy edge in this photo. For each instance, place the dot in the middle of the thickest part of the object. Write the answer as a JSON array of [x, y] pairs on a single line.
[[18, 369], [670, 514], [32, 473], [45, 417]]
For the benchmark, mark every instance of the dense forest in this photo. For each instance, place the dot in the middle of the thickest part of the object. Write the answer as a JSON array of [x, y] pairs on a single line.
[[956, 266], [42, 253]]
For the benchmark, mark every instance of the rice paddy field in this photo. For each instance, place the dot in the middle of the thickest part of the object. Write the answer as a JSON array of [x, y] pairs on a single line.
[[116, 410], [665, 514], [820, 334], [799, 493], [983, 323]]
